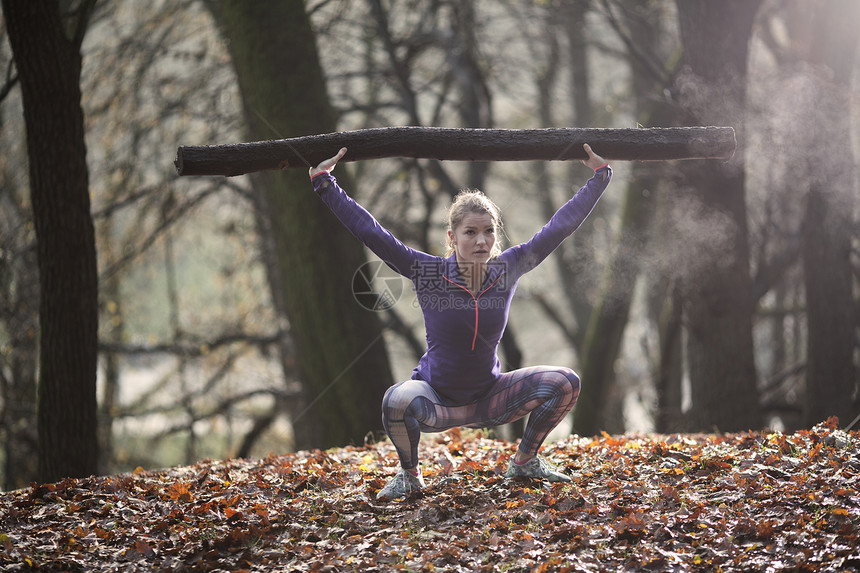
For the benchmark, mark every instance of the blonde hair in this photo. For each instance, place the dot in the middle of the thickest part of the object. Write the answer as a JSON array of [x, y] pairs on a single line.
[[473, 201]]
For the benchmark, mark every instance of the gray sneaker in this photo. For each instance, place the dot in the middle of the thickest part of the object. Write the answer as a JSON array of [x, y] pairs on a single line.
[[538, 468], [401, 485]]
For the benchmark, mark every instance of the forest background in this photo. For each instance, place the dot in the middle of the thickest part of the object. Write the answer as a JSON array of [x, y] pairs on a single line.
[[157, 320]]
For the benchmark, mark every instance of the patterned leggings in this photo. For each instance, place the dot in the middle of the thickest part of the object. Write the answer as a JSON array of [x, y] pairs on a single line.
[[548, 393]]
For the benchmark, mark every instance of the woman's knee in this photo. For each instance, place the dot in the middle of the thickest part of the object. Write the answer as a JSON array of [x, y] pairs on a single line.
[[386, 398], [569, 384], [398, 399], [395, 396], [572, 379]]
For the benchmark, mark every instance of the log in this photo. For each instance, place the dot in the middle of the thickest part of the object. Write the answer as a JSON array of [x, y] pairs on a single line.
[[456, 144]]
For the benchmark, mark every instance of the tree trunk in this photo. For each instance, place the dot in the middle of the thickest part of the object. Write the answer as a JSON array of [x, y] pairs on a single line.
[[458, 144], [574, 256], [576, 259], [340, 352], [475, 102], [601, 399], [716, 281], [670, 365], [49, 66], [831, 376]]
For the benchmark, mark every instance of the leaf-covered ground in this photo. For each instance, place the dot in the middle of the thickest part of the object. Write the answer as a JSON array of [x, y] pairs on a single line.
[[741, 502]]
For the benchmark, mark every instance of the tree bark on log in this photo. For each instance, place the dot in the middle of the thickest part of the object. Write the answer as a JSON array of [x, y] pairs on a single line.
[[456, 144]]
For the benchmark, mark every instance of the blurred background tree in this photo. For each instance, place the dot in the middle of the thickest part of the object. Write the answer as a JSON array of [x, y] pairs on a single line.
[[340, 353], [715, 275]]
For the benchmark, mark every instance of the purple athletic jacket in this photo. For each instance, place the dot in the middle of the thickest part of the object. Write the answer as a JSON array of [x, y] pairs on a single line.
[[463, 330]]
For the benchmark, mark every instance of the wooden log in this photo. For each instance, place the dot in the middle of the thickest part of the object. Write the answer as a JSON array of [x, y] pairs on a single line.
[[552, 144]]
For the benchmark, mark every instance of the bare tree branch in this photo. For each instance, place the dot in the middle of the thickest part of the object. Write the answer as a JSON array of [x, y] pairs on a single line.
[[464, 144]]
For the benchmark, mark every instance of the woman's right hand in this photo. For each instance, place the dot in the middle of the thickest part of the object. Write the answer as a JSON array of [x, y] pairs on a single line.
[[328, 164]]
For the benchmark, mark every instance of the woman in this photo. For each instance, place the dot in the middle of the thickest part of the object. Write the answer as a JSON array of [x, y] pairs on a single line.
[[465, 298]]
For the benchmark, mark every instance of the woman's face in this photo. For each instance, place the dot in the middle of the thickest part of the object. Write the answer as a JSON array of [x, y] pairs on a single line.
[[474, 237]]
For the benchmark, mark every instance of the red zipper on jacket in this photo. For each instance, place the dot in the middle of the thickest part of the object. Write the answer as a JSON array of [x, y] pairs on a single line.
[[474, 298]]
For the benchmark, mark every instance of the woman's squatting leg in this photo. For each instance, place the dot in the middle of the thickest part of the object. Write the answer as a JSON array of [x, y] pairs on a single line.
[[548, 393]]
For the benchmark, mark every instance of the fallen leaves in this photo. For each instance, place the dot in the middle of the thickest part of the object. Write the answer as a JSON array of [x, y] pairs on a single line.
[[749, 501]]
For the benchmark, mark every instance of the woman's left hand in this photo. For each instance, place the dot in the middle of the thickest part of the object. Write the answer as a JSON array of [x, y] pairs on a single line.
[[594, 161], [328, 164]]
